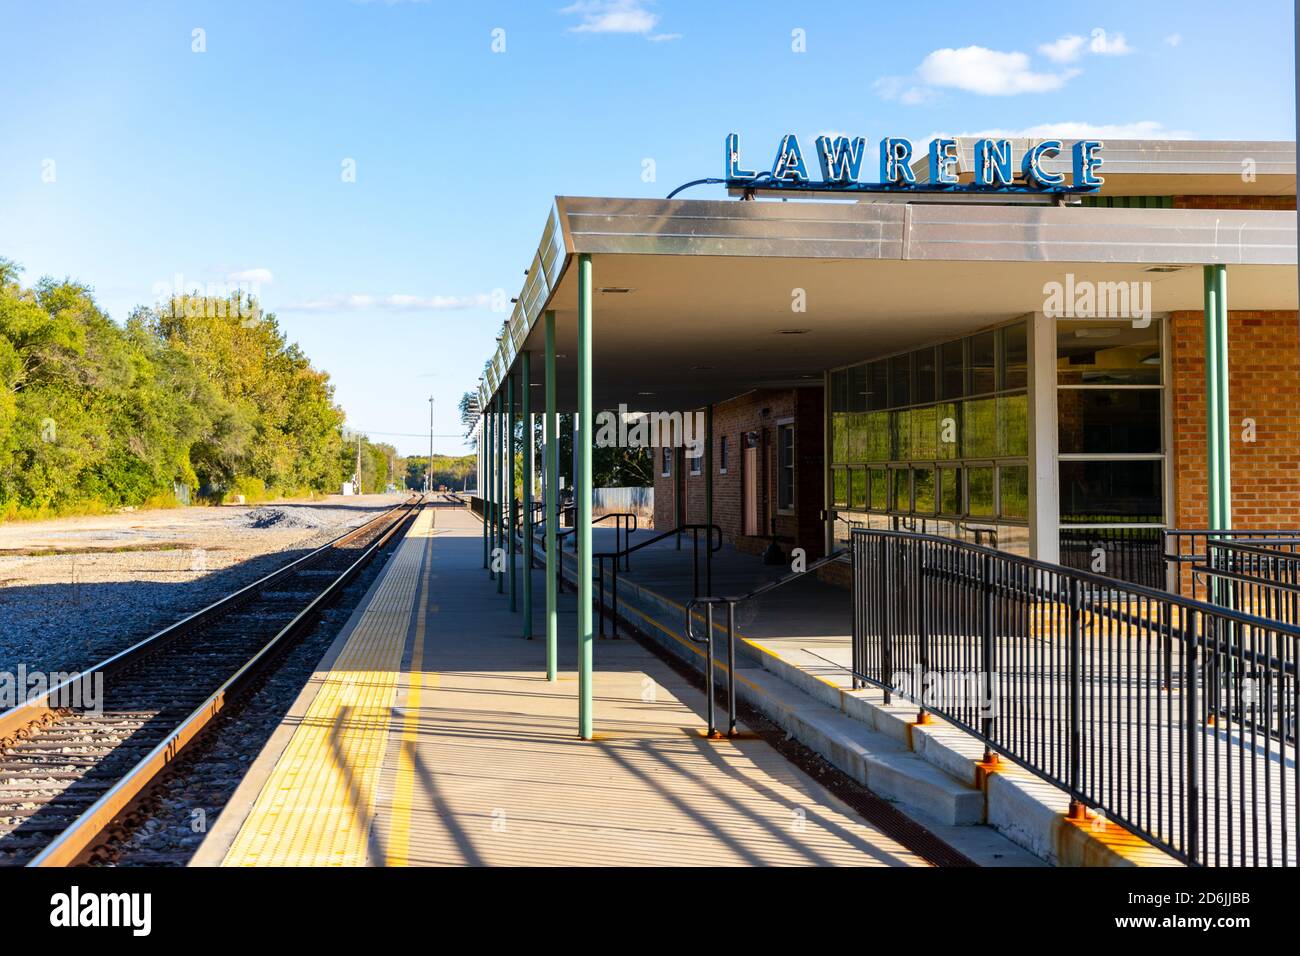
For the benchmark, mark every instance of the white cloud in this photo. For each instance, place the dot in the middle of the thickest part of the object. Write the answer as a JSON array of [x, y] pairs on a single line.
[[259, 275], [361, 302], [977, 69], [616, 16], [1069, 48], [663, 37], [898, 88], [1064, 50], [1108, 44], [1174, 39], [1142, 129]]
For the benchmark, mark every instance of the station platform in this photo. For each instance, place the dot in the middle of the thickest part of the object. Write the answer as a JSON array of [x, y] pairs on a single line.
[[430, 736]]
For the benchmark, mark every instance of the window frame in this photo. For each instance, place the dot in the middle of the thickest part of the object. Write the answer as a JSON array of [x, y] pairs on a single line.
[[783, 427], [1162, 387], [861, 453]]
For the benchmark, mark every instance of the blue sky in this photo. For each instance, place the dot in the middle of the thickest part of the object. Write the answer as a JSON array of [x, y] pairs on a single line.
[[128, 159]]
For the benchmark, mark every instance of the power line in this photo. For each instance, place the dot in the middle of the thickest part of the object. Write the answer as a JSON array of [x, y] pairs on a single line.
[[367, 431]]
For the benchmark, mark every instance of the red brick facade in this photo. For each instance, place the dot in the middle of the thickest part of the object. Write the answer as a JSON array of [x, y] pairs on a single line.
[[1263, 385], [1276, 203], [759, 412]]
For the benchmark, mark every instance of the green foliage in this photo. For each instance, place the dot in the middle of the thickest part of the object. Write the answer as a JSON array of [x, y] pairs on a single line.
[[380, 464], [447, 470], [200, 392]]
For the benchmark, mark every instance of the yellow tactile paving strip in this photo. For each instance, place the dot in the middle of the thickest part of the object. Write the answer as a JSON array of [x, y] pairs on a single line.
[[316, 807]]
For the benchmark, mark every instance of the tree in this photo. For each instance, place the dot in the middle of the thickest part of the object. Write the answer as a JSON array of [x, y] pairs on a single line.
[[201, 392]]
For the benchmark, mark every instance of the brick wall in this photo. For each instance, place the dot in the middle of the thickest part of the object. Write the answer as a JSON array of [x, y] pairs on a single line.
[[1264, 385], [1285, 203], [758, 411]]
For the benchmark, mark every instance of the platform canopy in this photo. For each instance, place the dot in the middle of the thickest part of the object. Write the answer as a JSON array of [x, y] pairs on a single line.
[[696, 301]]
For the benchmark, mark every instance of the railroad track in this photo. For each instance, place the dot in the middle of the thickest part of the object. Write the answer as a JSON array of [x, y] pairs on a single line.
[[67, 772]]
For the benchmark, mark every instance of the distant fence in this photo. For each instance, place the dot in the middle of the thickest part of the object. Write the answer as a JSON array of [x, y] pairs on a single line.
[[639, 501]]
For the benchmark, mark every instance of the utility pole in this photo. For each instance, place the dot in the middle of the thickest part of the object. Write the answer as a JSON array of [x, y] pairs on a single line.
[[429, 481], [357, 480]]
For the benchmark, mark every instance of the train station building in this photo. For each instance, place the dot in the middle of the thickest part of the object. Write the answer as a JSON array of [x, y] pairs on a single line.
[[1004, 418], [1027, 371]]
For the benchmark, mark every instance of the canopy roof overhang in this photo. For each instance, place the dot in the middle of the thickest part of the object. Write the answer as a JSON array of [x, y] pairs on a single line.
[[692, 299]]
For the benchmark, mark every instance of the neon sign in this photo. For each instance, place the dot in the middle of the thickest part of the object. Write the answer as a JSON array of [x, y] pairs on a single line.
[[841, 158]]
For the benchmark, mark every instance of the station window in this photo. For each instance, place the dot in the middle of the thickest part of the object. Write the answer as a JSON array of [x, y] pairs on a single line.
[[785, 467], [923, 500], [666, 470], [942, 433], [979, 491], [697, 464], [1110, 441], [722, 455], [858, 489]]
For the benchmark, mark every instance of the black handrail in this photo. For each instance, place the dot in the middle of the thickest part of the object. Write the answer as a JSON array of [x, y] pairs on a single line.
[[1186, 546], [1057, 670], [623, 556], [625, 522], [731, 602]]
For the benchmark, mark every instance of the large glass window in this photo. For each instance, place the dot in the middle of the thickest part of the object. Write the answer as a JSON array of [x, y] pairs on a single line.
[[944, 437], [1107, 421], [1110, 439], [785, 467], [858, 489]]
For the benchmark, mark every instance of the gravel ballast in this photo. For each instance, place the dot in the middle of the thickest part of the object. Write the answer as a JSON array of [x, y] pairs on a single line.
[[74, 591]]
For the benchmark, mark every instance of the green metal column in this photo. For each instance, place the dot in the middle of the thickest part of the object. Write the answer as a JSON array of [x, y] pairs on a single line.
[[551, 437], [1225, 424], [679, 488], [490, 492], [501, 491], [512, 517], [708, 499], [483, 478], [530, 473], [582, 497], [1218, 429], [1212, 443]]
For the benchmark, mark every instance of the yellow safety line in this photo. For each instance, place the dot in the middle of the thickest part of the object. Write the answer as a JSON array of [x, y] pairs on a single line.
[[399, 843], [317, 805]]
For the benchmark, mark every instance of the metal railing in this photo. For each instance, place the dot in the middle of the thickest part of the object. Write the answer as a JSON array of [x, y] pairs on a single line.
[[623, 557], [1150, 707], [625, 525], [1183, 548], [1261, 577], [709, 603], [1130, 554]]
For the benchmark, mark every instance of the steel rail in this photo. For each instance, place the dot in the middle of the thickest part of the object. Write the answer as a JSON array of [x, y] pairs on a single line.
[[66, 848], [35, 708]]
